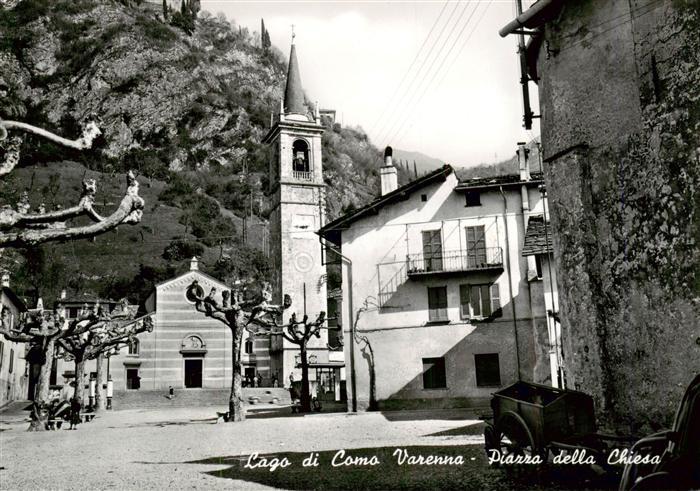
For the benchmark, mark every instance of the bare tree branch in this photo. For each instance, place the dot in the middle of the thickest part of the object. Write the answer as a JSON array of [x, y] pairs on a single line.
[[129, 212], [90, 132]]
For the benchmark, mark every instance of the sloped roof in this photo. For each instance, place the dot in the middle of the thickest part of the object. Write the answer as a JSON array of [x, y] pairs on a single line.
[[195, 272], [536, 240], [19, 303], [331, 231], [86, 298], [502, 180]]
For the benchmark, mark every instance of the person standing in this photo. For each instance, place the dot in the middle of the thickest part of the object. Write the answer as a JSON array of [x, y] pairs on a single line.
[[74, 413]]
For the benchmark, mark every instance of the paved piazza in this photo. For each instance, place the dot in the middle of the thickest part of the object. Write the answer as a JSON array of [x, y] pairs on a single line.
[[138, 449]]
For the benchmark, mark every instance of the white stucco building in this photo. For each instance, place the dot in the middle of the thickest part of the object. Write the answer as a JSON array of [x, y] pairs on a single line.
[[435, 279]]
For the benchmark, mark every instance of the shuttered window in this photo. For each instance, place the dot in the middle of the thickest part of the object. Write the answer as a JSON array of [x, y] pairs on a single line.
[[476, 246], [437, 304], [432, 250], [479, 301]]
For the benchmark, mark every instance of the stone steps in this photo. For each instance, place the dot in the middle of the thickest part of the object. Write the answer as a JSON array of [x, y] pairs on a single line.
[[148, 399]]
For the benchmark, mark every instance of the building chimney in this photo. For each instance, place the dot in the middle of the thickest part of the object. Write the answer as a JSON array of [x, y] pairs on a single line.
[[194, 264], [388, 173], [523, 164], [5, 279], [63, 294]]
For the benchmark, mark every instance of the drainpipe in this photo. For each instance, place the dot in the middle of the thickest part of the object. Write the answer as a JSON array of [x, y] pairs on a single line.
[[353, 379], [510, 282], [524, 17], [558, 345]]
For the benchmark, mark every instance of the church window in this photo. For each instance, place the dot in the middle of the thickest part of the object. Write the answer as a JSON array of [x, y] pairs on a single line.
[[193, 293], [249, 346], [300, 159], [134, 346]]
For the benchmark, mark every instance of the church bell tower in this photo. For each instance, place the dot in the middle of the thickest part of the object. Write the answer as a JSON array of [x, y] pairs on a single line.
[[297, 212]]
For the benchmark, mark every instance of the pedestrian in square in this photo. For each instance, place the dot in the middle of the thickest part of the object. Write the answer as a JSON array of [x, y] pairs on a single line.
[[74, 413]]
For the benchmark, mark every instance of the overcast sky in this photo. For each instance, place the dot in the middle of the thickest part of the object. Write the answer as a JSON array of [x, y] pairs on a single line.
[[372, 62]]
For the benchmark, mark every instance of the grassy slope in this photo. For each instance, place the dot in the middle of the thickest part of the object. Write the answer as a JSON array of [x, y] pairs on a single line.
[[117, 254]]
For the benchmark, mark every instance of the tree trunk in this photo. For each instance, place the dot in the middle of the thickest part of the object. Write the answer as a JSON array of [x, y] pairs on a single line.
[[79, 383], [236, 410], [100, 393], [40, 414], [305, 393], [42, 387]]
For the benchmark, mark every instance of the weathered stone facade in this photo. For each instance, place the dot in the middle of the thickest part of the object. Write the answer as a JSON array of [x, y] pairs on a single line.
[[619, 85]]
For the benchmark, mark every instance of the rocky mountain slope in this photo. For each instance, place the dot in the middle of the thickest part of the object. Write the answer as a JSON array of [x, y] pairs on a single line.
[[187, 110]]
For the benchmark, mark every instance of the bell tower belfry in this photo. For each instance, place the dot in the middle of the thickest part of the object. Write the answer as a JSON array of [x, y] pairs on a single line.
[[297, 193]]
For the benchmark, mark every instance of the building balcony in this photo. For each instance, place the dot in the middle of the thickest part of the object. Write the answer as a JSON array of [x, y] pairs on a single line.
[[302, 175], [460, 261]]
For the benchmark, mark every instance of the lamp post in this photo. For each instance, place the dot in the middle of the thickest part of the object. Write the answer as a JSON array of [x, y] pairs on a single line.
[[110, 384], [110, 391], [93, 386]]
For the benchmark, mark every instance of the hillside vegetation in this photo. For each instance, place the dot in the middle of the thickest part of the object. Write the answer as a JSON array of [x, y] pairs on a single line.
[[186, 108]]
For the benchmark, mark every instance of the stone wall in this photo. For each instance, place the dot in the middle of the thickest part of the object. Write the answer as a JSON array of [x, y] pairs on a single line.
[[620, 102]]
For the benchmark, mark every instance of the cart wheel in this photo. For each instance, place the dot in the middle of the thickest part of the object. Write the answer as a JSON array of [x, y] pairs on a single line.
[[491, 441], [515, 439]]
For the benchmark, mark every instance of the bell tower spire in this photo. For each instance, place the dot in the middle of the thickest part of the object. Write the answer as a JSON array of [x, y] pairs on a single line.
[[297, 202], [293, 92]]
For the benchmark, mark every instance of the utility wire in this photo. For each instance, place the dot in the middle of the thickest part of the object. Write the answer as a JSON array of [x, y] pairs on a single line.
[[405, 76], [399, 130], [410, 104], [399, 107]]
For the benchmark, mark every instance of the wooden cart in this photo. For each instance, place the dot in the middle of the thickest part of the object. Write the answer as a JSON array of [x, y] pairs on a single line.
[[531, 420]]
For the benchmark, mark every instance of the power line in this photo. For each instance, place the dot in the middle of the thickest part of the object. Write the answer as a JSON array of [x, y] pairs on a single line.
[[420, 69], [456, 40], [398, 88], [409, 105]]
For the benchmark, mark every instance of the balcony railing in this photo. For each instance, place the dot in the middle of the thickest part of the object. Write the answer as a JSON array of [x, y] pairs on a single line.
[[455, 261], [302, 175]]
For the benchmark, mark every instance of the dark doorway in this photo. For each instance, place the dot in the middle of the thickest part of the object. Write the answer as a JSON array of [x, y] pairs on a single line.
[[325, 378], [249, 377], [133, 381], [193, 374]]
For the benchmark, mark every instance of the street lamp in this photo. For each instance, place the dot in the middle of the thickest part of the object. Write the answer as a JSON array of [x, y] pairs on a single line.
[[110, 384]]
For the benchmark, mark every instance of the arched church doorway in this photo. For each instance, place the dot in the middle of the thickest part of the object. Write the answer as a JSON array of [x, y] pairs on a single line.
[[193, 350]]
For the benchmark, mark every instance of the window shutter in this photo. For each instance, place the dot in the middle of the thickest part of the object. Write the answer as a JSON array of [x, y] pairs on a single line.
[[432, 298], [474, 299], [496, 301], [485, 301], [464, 301]]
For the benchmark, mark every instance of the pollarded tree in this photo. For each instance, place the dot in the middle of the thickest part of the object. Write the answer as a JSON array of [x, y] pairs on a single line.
[[259, 319], [238, 315], [299, 333], [42, 330], [116, 331], [19, 227]]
